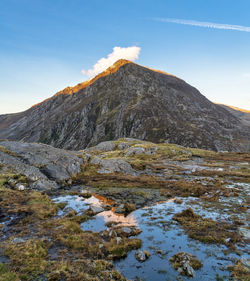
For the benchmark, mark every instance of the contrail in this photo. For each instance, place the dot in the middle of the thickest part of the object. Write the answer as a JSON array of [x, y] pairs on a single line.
[[205, 24]]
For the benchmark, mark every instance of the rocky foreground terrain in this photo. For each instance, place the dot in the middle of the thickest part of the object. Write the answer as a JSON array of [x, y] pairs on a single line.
[[123, 210], [129, 100]]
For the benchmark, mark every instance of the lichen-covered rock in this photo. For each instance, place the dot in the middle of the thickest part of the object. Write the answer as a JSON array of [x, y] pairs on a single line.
[[188, 270], [114, 165], [105, 146], [45, 167], [135, 150], [125, 208], [123, 145]]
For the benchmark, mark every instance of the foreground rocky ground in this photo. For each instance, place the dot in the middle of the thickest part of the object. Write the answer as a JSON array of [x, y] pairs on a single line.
[[120, 205]]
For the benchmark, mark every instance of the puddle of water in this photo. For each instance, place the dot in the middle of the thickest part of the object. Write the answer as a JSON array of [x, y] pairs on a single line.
[[160, 232], [99, 221], [73, 201], [165, 235], [77, 203]]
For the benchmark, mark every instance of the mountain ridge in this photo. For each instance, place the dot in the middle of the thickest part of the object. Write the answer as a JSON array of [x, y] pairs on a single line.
[[113, 68], [242, 114], [128, 100]]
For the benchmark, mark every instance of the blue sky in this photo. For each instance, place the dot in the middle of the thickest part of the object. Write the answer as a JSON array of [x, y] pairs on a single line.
[[46, 44]]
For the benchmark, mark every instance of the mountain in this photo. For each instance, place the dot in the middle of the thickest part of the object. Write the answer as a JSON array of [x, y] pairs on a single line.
[[128, 100]]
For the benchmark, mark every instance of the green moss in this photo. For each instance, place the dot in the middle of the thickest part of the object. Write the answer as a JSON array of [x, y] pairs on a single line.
[[120, 250], [5, 177], [61, 205], [28, 259], [76, 249], [6, 274], [41, 205]]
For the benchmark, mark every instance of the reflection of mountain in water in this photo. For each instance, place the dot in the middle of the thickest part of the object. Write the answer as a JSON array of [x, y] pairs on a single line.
[[92, 201], [110, 216]]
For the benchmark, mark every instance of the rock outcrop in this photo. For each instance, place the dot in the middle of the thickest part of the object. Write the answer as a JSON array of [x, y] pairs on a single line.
[[44, 166], [128, 100]]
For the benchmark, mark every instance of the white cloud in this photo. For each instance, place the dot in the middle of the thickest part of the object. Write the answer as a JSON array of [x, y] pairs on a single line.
[[205, 24], [130, 53], [246, 75]]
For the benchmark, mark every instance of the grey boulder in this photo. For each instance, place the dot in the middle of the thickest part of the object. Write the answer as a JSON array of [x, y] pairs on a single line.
[[45, 167]]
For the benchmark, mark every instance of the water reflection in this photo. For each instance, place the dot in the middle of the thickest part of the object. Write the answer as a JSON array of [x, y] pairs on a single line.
[[101, 219], [163, 237]]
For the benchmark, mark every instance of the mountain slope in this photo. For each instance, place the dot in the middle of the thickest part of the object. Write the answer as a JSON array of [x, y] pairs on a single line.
[[128, 100], [242, 114]]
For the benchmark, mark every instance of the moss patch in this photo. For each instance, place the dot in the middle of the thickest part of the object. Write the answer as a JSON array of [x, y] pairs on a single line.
[[177, 260], [6, 274], [28, 259], [120, 250], [240, 272], [206, 230]]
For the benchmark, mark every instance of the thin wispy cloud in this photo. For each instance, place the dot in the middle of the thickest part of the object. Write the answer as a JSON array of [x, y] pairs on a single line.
[[247, 75], [205, 24], [129, 53]]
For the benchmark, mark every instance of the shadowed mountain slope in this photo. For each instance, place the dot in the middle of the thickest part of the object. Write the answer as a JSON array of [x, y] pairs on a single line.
[[128, 100]]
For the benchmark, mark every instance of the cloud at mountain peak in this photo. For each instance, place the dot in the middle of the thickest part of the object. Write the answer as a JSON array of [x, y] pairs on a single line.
[[129, 53]]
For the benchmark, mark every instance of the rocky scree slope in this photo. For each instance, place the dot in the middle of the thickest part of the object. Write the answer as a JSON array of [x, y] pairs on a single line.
[[128, 100]]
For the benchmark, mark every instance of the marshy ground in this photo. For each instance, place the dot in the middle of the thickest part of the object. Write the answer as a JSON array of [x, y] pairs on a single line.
[[184, 207]]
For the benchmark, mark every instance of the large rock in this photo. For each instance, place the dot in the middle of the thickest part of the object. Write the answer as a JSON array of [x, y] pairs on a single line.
[[189, 271], [182, 263], [135, 150], [113, 165], [45, 166], [141, 255], [105, 146], [245, 233], [96, 209]]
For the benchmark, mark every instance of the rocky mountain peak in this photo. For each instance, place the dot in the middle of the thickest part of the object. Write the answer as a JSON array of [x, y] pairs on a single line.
[[112, 69], [128, 100]]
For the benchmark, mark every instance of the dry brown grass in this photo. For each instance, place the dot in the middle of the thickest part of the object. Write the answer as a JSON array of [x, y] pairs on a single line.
[[177, 259], [206, 230], [240, 272], [117, 251], [79, 256], [89, 176]]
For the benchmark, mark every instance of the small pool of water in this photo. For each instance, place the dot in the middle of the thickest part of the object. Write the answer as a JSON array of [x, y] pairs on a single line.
[[73, 201], [160, 232]]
